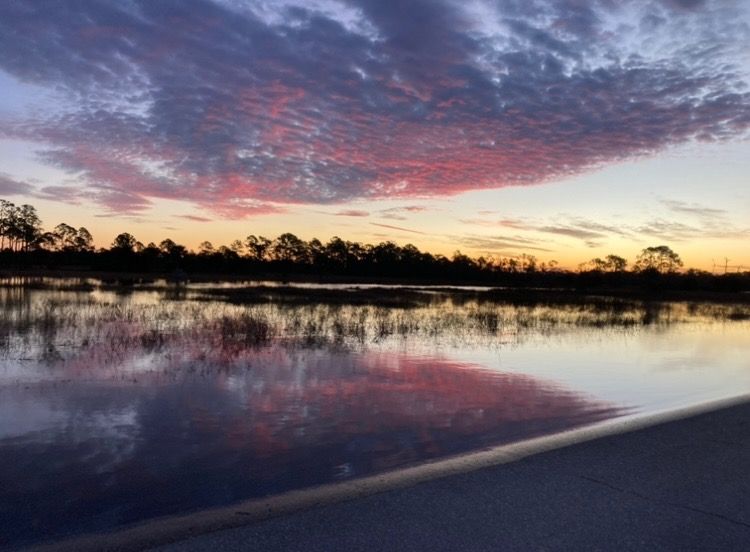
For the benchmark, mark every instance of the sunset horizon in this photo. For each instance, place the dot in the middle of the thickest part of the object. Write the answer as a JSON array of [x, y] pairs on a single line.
[[562, 130], [338, 275]]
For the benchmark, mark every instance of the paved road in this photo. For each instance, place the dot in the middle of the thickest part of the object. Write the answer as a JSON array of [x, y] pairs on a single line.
[[683, 485]]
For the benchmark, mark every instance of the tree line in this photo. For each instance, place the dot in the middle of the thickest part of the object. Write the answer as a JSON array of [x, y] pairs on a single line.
[[21, 230], [24, 243]]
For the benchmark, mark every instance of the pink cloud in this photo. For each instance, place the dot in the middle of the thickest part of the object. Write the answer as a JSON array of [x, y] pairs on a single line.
[[242, 117]]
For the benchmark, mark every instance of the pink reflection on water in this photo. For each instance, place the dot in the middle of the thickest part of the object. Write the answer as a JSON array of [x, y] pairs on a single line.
[[377, 410], [211, 421], [442, 405]]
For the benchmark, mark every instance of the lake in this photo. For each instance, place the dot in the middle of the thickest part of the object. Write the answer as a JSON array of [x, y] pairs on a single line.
[[120, 403]]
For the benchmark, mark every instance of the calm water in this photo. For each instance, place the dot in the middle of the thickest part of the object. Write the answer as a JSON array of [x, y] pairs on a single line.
[[121, 405]]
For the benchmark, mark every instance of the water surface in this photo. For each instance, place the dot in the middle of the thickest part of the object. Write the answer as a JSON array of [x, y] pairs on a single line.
[[123, 404]]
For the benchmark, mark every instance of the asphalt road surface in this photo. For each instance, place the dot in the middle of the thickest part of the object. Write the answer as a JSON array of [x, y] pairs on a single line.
[[683, 485]]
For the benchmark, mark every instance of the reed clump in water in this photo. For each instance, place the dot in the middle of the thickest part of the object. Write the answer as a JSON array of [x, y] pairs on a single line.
[[247, 328]]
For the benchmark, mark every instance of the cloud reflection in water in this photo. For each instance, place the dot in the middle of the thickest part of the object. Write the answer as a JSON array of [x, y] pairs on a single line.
[[186, 431]]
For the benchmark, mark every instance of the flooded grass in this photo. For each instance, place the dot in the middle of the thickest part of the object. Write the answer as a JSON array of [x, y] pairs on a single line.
[[58, 321]]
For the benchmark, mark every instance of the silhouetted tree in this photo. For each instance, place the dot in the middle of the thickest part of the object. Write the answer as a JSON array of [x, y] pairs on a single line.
[[659, 258], [289, 248], [615, 263], [237, 246], [549, 266], [596, 264], [150, 254], [206, 248], [47, 241], [23, 242], [67, 238], [257, 247], [7, 223], [84, 240], [124, 243], [172, 250], [463, 264], [336, 253], [317, 255], [611, 263], [28, 226], [528, 263], [385, 254]]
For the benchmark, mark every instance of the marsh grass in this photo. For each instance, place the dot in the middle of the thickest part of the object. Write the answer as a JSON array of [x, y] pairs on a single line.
[[246, 328], [51, 325]]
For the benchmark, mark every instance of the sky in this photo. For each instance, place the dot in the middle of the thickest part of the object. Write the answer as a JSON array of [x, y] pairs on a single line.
[[564, 129]]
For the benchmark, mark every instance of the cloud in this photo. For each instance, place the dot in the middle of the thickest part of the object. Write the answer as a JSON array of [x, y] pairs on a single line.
[[245, 108], [573, 227], [503, 222], [11, 187], [352, 213], [514, 223], [670, 230], [686, 4], [500, 244], [195, 218], [694, 209], [401, 228], [396, 213], [572, 232], [393, 216], [706, 223], [63, 193], [591, 232], [598, 227], [703, 222]]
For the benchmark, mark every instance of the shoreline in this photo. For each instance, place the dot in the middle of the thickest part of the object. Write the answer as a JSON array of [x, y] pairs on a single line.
[[296, 284], [163, 531]]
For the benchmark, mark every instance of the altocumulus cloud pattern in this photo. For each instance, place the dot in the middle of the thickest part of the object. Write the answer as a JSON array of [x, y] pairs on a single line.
[[243, 107]]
